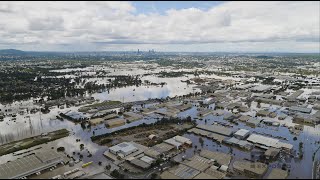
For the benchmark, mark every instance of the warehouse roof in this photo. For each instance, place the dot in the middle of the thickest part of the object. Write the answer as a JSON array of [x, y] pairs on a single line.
[[216, 129], [198, 163], [29, 164], [242, 132], [184, 172], [256, 167], [163, 147], [300, 109], [215, 173], [168, 175], [277, 174], [204, 176], [221, 158], [123, 147], [255, 138], [173, 142]]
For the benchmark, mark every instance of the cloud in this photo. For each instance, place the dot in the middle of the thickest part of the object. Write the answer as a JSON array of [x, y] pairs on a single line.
[[105, 25]]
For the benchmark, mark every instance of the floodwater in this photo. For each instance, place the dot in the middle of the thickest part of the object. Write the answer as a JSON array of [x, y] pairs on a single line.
[[39, 123]]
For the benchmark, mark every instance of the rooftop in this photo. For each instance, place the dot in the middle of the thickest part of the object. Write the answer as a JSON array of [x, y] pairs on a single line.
[[216, 129]]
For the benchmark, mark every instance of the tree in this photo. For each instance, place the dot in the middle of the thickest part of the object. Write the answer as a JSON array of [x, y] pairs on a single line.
[[201, 141], [153, 176]]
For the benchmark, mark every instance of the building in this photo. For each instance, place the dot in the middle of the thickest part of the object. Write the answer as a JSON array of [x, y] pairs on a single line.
[[277, 174], [152, 136], [261, 88], [30, 164], [219, 157], [239, 143], [230, 116], [139, 163], [173, 143], [242, 134], [203, 175], [263, 113], [300, 109], [271, 122], [267, 142], [168, 175], [253, 122], [244, 86], [216, 137], [244, 118], [163, 148], [216, 129], [213, 171], [294, 96], [115, 122], [269, 101], [184, 172], [197, 162], [250, 169], [271, 153], [183, 140], [123, 149], [147, 159], [302, 118]]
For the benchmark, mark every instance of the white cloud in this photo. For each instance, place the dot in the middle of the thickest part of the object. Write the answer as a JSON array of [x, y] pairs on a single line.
[[110, 25]]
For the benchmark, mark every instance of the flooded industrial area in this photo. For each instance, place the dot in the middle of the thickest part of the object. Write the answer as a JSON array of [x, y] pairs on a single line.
[[187, 114]]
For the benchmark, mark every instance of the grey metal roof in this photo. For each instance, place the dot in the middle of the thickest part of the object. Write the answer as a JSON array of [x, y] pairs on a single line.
[[216, 129], [28, 165]]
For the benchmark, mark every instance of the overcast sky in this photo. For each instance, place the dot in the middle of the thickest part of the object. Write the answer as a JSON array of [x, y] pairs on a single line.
[[163, 26]]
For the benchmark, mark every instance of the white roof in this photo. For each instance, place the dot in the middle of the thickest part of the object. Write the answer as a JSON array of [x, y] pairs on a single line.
[[182, 139], [242, 132], [123, 147], [173, 142], [147, 159], [270, 142]]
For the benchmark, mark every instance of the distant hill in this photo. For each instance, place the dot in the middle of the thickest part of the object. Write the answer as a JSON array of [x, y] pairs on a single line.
[[12, 52]]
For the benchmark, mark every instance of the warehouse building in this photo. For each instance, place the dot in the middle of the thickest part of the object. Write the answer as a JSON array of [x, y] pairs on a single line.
[[30, 164], [197, 162], [242, 134], [250, 169], [219, 157], [268, 101], [123, 149], [267, 142], [253, 122], [216, 129], [300, 109], [277, 174]]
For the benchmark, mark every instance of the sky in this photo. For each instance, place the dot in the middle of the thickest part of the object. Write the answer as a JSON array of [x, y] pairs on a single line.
[[191, 26]]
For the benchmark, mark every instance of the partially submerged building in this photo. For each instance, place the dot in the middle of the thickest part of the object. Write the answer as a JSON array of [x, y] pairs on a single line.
[[242, 134], [250, 169], [30, 164], [277, 173], [267, 142]]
